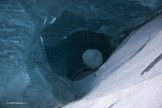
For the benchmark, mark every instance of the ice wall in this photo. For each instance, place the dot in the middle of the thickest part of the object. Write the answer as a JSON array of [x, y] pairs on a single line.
[[24, 71], [151, 3], [25, 75]]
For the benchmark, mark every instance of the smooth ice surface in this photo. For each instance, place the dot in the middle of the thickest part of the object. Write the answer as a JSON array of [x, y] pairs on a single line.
[[121, 83]]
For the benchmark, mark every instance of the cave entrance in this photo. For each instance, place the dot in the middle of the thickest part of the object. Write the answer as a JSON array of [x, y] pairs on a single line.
[[65, 57], [74, 46]]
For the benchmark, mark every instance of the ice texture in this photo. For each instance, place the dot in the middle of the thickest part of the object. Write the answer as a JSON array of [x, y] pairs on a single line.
[[25, 73], [151, 3]]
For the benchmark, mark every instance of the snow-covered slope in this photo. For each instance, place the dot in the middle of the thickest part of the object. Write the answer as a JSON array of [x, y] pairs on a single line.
[[132, 76]]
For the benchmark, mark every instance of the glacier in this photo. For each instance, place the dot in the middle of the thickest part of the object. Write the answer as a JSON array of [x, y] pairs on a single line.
[[36, 37]]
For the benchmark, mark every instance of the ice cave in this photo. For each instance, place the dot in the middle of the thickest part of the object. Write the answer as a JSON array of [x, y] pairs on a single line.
[[80, 54]]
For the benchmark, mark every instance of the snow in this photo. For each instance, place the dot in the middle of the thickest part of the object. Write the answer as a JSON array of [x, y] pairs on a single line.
[[119, 83]]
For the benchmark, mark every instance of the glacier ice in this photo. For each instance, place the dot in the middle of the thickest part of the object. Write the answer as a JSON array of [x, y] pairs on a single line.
[[151, 3], [26, 75]]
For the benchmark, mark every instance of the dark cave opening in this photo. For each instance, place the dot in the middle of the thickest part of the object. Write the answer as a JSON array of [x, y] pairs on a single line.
[[74, 46], [66, 56]]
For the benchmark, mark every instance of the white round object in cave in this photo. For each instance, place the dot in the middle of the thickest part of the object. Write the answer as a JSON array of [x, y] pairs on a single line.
[[93, 58]]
